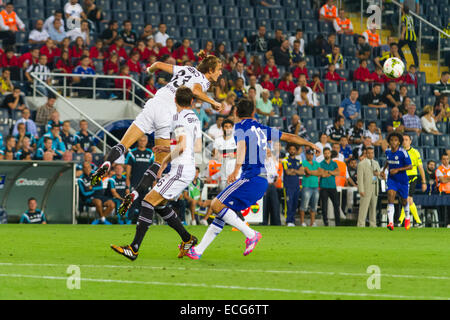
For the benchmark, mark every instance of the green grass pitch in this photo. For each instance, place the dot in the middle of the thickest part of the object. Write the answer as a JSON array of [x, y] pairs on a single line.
[[288, 263]]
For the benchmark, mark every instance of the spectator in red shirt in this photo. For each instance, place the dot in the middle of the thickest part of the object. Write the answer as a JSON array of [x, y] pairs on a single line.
[[209, 46], [316, 85], [98, 51], [65, 45], [254, 69], [64, 64], [144, 52], [184, 50], [152, 48], [286, 83], [411, 76], [119, 49], [362, 73], [51, 51], [240, 56], [9, 59], [150, 86], [168, 49], [332, 75], [76, 51], [111, 66], [378, 76], [266, 83], [133, 63], [301, 69], [29, 58], [119, 83], [271, 69]]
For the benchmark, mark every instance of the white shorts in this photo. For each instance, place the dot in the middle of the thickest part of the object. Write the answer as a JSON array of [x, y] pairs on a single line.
[[156, 117], [171, 185]]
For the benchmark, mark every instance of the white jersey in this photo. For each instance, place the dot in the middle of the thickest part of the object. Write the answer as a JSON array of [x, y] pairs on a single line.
[[186, 123], [227, 154], [182, 76]]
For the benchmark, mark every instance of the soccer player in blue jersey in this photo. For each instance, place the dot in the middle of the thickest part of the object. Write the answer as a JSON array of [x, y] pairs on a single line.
[[398, 162], [252, 139]]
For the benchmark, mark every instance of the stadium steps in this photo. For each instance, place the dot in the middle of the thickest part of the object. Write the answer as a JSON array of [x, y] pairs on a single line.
[[427, 64]]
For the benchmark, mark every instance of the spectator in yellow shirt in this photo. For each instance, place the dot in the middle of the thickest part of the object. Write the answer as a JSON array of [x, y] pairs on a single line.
[[6, 85]]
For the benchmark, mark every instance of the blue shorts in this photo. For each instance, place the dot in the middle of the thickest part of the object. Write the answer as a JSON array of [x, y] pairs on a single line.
[[243, 193], [401, 188]]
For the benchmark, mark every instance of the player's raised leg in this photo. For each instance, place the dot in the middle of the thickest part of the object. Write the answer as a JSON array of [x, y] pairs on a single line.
[[131, 136]]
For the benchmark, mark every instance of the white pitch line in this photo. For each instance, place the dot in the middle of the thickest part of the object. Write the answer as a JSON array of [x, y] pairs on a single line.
[[203, 285], [229, 270]]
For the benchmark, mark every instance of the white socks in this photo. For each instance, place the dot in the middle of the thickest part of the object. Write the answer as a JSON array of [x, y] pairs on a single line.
[[212, 232], [391, 211], [230, 217], [407, 216]]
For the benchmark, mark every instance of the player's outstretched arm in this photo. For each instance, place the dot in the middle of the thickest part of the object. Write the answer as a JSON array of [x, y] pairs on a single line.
[[290, 138], [160, 66], [200, 95]]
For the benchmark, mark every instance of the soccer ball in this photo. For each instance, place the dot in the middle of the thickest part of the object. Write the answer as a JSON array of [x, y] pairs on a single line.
[[393, 68]]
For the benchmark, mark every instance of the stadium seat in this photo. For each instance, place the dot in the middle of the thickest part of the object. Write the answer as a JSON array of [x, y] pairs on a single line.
[[23, 13], [233, 23], [369, 113], [220, 34], [237, 34], [231, 12], [276, 122], [248, 24], [362, 87], [185, 20], [137, 18], [276, 13], [217, 22], [311, 26], [229, 2], [119, 5], [384, 113], [428, 100], [310, 124], [199, 10], [97, 158], [279, 24], [443, 141], [168, 7], [345, 87], [305, 112], [136, 5], [321, 98], [262, 13], [170, 19], [183, 8], [78, 157], [330, 86], [174, 32], [200, 21], [151, 6], [4, 117], [215, 10], [288, 111], [334, 99], [55, 4], [4, 130], [307, 14], [189, 33], [291, 14], [153, 19], [313, 136], [325, 27], [442, 127], [321, 112], [120, 15], [324, 123], [264, 22], [432, 154], [289, 3], [294, 24], [205, 33], [426, 140]]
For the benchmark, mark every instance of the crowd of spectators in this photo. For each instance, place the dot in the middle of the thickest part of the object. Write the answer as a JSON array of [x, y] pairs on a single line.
[[288, 77]]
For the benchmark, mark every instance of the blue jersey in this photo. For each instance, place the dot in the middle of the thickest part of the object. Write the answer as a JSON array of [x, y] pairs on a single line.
[[398, 159], [256, 137]]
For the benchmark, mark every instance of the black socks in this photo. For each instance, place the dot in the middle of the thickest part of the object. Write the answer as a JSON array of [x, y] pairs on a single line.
[[148, 179], [144, 221]]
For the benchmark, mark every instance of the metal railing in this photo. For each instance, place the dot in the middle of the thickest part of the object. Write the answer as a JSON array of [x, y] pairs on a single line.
[[36, 80], [420, 36], [64, 83]]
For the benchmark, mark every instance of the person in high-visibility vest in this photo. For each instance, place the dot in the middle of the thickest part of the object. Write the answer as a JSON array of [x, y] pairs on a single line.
[[10, 23], [416, 161], [342, 24], [443, 175], [328, 12], [372, 37]]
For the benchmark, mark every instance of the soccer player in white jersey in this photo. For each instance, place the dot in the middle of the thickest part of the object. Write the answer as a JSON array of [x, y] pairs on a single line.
[[187, 133], [157, 117], [225, 151]]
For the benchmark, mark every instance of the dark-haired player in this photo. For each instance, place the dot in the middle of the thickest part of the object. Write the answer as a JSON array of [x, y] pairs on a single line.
[[398, 162], [187, 132], [252, 139], [157, 117]]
